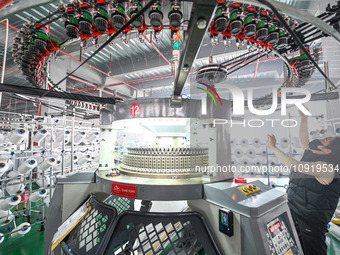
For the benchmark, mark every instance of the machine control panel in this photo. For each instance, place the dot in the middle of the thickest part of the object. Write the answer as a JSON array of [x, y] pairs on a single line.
[[249, 189], [279, 238], [226, 222]]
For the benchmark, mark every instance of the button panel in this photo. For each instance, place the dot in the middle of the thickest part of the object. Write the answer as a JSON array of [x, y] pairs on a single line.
[[249, 189], [279, 239]]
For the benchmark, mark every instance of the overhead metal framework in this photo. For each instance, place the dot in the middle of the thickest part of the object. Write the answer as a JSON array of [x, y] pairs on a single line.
[[10, 88], [132, 62], [202, 13]]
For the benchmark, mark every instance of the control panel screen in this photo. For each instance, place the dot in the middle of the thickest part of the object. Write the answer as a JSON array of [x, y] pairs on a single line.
[[224, 219], [280, 238], [226, 222], [275, 229]]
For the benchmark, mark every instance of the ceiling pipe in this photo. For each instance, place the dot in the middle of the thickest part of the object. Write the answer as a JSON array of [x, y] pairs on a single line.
[[20, 101], [160, 53], [111, 94], [91, 85], [123, 83], [144, 79], [84, 90], [82, 81], [135, 81], [12, 70], [14, 28], [92, 94]]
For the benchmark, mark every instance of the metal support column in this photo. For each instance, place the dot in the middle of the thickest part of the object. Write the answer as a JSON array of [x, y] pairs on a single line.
[[326, 70], [63, 145], [72, 138], [4, 58]]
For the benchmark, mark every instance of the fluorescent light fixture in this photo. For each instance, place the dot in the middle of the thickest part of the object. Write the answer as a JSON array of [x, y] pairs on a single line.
[[119, 46]]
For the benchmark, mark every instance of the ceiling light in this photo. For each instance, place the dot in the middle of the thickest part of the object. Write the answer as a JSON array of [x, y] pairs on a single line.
[[119, 46]]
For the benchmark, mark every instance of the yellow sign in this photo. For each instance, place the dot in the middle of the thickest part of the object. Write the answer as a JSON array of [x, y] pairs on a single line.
[[289, 252]]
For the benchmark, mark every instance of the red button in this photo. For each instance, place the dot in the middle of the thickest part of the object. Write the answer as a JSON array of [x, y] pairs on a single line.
[[250, 187], [240, 180]]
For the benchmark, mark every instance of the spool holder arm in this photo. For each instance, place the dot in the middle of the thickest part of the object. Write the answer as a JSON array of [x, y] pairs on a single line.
[[296, 38], [331, 16]]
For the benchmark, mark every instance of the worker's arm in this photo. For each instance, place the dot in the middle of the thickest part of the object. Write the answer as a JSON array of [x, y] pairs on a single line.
[[322, 171], [304, 136]]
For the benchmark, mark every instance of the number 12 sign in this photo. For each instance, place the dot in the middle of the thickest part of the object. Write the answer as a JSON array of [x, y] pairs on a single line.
[[135, 110]]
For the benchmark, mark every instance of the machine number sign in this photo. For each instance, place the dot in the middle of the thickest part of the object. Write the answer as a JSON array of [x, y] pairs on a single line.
[[135, 110]]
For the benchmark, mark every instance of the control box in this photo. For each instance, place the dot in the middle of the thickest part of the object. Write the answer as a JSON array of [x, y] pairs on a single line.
[[248, 218], [280, 238]]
